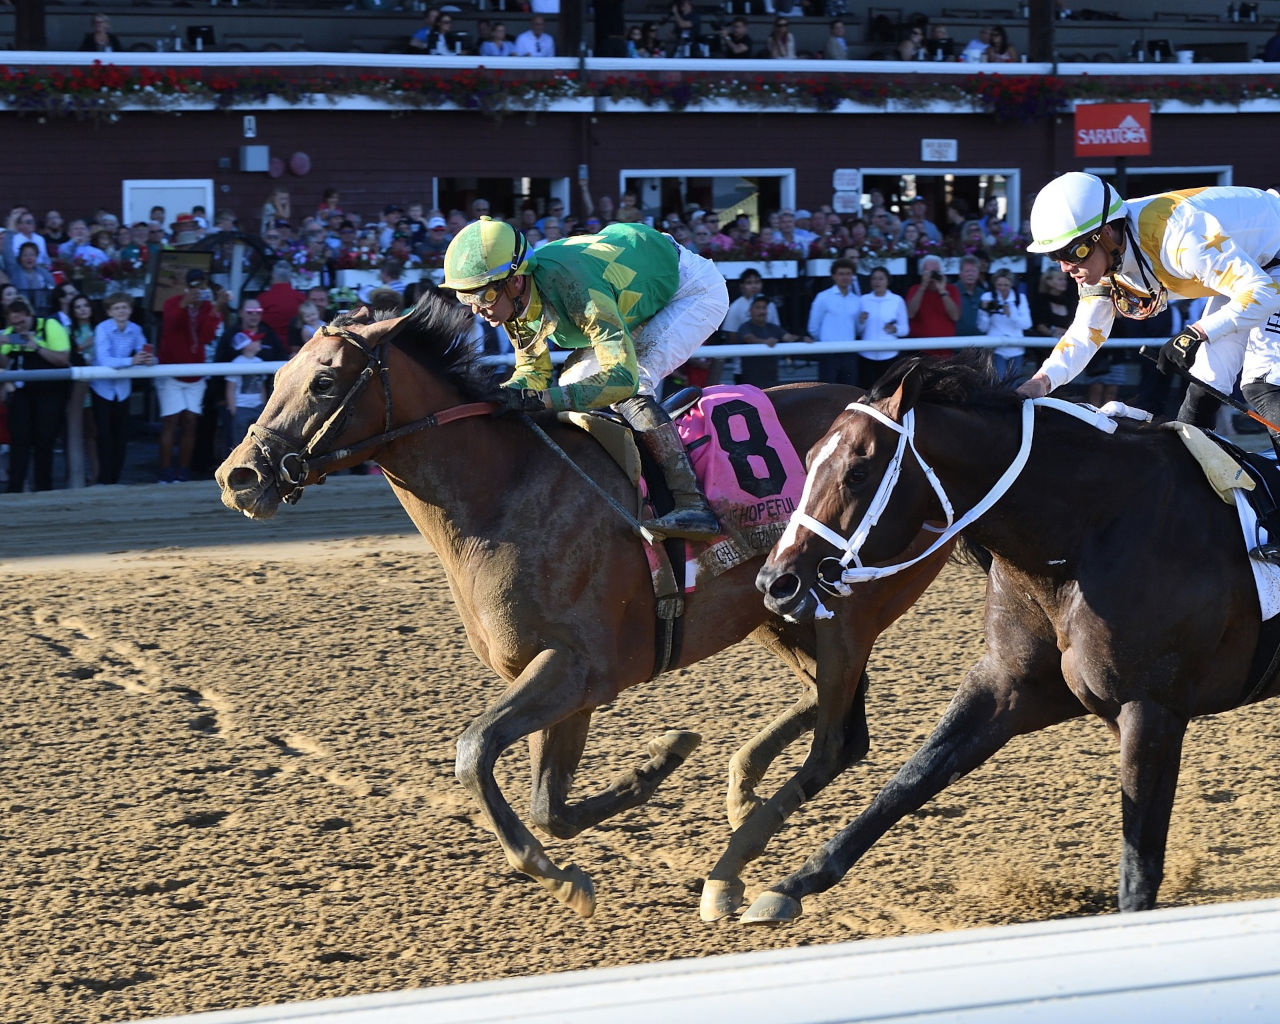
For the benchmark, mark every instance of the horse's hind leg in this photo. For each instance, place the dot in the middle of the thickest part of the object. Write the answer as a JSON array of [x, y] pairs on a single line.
[[1150, 756], [555, 754]]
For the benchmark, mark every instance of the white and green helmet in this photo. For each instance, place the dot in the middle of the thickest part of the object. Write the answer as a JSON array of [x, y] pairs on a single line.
[[1071, 206]]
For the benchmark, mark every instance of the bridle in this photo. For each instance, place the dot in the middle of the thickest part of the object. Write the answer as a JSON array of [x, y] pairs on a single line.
[[835, 576], [297, 461]]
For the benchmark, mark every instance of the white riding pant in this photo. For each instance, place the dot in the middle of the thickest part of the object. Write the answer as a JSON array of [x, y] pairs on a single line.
[[669, 337]]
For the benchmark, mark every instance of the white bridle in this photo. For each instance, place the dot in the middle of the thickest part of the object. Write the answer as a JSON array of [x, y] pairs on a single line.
[[850, 547]]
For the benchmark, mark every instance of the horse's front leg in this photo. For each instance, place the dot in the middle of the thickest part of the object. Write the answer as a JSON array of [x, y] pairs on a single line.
[[554, 755], [552, 687], [990, 708], [1150, 756]]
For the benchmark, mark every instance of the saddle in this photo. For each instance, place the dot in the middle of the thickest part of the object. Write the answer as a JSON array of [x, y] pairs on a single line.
[[611, 432], [1263, 496]]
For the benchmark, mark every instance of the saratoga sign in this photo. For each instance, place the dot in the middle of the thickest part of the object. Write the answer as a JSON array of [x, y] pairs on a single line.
[[1113, 129]]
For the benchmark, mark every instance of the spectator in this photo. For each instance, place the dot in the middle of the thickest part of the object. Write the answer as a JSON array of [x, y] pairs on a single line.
[[1053, 306], [883, 317], [781, 43], [761, 371], [628, 212], [254, 327], [912, 47], [100, 38], [750, 284], [834, 317], [605, 210], [650, 44], [970, 287], [419, 40], [975, 50], [941, 46], [498, 45], [83, 465], [277, 207], [534, 41], [32, 280], [1005, 314], [36, 408], [791, 235], [245, 394], [836, 47], [555, 210], [22, 233], [280, 302], [54, 231], [117, 342], [999, 49], [390, 278], [442, 41], [1271, 52], [330, 205], [735, 41], [189, 323], [933, 305], [307, 323], [916, 215], [437, 240], [686, 25]]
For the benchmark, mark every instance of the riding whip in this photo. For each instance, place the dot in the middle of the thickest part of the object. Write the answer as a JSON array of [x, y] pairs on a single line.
[[1221, 396]]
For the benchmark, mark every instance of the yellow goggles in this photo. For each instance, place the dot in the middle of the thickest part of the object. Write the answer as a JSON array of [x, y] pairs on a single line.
[[484, 299], [1077, 252]]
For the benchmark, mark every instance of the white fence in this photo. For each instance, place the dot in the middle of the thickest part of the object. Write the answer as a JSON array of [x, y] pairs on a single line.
[[1180, 966]]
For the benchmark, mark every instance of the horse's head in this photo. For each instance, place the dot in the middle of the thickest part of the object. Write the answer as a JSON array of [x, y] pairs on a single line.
[[857, 478], [334, 392]]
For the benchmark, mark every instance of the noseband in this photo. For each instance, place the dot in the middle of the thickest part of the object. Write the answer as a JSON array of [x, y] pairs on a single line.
[[296, 461]]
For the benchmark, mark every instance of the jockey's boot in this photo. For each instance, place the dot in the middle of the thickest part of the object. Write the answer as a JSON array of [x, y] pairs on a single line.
[[692, 517]]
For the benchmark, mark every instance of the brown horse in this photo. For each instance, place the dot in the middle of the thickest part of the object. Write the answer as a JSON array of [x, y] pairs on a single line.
[[1120, 587], [553, 588]]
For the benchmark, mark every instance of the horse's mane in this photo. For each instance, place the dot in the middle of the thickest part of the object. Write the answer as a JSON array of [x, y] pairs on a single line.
[[436, 333], [966, 378]]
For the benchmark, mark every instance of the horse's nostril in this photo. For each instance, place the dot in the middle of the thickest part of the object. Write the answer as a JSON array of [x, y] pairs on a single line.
[[242, 478], [785, 586]]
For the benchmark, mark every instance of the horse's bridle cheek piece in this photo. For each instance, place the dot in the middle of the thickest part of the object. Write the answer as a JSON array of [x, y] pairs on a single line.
[[289, 459]]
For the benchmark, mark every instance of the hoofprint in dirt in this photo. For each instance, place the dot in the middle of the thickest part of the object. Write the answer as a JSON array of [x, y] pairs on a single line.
[[226, 773]]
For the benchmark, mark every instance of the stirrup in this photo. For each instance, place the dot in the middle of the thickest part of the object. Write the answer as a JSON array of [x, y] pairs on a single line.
[[1266, 553]]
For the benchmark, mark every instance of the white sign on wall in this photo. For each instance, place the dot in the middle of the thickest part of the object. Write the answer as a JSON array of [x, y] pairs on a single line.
[[847, 202], [846, 179], [938, 150]]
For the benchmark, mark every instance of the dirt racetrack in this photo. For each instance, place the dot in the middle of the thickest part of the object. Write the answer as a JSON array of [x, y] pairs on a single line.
[[226, 777]]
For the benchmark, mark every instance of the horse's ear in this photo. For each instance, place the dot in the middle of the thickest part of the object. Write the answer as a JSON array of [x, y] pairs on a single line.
[[903, 400]]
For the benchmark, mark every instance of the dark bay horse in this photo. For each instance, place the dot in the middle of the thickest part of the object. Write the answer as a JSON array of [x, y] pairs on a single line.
[[1119, 587], [552, 587]]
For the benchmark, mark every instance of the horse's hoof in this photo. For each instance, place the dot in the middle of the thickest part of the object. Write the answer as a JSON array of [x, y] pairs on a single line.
[[720, 898], [574, 889], [772, 908], [678, 743]]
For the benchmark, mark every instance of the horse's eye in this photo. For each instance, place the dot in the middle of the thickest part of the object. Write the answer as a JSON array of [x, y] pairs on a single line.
[[322, 383], [857, 474]]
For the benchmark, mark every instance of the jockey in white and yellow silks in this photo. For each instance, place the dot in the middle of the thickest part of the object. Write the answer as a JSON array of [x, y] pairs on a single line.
[[1219, 243]]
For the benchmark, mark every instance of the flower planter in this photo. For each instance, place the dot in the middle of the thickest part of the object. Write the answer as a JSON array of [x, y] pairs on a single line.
[[1016, 264], [731, 270], [372, 278], [951, 266], [895, 265]]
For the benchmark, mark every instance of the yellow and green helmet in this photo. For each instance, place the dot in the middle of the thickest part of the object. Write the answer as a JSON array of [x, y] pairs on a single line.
[[485, 252]]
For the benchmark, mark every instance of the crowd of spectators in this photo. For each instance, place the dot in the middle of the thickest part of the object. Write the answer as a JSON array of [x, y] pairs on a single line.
[[70, 296]]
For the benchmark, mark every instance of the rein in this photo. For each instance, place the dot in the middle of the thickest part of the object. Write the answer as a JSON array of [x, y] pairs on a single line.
[[298, 461], [838, 579]]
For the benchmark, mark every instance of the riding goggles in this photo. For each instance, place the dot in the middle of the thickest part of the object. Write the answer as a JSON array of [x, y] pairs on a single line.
[[1134, 305], [486, 298], [1077, 251]]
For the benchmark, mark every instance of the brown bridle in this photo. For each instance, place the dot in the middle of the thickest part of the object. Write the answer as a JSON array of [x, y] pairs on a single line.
[[297, 461]]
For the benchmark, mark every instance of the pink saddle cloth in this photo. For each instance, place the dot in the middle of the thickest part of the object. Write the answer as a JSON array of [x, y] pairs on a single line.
[[748, 469]]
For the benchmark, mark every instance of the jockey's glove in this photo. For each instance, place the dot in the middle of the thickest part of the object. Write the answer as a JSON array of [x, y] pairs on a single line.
[[1179, 352], [516, 400]]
